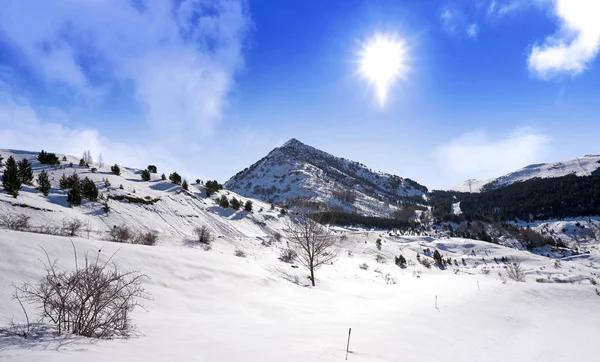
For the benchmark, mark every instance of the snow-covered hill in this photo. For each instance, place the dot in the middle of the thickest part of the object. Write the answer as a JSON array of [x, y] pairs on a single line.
[[302, 176], [157, 205], [582, 166]]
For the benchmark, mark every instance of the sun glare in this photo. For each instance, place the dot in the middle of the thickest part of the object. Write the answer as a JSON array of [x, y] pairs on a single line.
[[382, 62]]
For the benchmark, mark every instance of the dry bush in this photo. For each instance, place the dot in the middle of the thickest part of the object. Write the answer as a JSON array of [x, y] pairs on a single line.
[[71, 227], [364, 266], [426, 263], [148, 238], [277, 236], [203, 234], [121, 234], [288, 255], [380, 259], [514, 270], [15, 222], [389, 279], [94, 300], [240, 253]]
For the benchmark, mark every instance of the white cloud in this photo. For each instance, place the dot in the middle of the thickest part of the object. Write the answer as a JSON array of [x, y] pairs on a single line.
[[481, 155], [473, 30], [575, 44], [178, 59]]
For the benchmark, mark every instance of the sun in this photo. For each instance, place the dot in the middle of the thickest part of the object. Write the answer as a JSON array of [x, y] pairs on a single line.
[[382, 61]]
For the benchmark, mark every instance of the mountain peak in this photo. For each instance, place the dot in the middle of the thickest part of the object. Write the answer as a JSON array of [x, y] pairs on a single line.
[[293, 143]]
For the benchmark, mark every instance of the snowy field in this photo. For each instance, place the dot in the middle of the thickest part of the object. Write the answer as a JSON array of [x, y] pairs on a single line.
[[213, 306]]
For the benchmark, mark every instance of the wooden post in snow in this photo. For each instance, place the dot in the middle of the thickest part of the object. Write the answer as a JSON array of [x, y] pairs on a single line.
[[348, 345], [436, 302]]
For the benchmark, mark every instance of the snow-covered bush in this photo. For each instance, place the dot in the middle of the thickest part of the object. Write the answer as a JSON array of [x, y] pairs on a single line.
[[240, 253], [120, 234], [203, 234], [288, 255], [14, 222], [514, 271], [389, 279]]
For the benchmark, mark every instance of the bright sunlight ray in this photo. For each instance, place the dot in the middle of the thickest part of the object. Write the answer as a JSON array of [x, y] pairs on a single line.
[[382, 61]]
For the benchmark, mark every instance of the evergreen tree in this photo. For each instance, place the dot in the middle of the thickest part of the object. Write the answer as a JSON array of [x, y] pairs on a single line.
[[1, 159], [163, 177], [74, 196], [43, 183], [401, 261], [283, 211], [146, 175], [235, 203], [438, 258], [89, 189], [48, 158], [10, 179], [25, 172], [105, 207], [248, 206], [223, 202], [82, 163], [152, 168], [175, 178], [211, 187], [185, 185], [115, 169], [198, 181]]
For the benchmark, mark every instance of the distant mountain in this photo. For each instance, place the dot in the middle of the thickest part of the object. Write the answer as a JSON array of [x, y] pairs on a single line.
[[303, 177], [584, 166]]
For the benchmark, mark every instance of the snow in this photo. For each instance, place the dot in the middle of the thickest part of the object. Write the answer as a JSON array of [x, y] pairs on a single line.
[[214, 306], [298, 171], [582, 166]]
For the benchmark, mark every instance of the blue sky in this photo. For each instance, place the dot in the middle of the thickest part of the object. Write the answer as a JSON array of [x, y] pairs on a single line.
[[208, 87]]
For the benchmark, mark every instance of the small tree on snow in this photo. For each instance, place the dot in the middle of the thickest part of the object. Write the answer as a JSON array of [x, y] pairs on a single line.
[[248, 206], [314, 243], [146, 175], [514, 270], [10, 179], [43, 183]]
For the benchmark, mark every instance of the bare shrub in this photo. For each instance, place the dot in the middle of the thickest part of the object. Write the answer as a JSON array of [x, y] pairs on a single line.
[[203, 234], [380, 259], [288, 255], [277, 235], [485, 270], [148, 238], [314, 243], [94, 300], [14, 222], [121, 234], [364, 266], [389, 279], [207, 247], [240, 253], [426, 262], [514, 270], [71, 227]]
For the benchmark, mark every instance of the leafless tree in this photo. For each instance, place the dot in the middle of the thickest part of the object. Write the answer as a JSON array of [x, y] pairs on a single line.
[[204, 234], [100, 161], [148, 238], [314, 244], [94, 300], [514, 270]]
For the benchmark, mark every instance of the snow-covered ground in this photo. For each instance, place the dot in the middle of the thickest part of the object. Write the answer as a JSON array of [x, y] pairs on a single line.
[[214, 306]]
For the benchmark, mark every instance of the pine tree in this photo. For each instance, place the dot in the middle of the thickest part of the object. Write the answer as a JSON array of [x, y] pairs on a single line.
[[438, 258], [115, 169], [82, 162], [25, 172], [146, 175], [1, 159], [163, 177], [185, 185], [105, 207], [89, 189], [43, 183], [223, 202], [74, 196], [152, 168], [175, 178], [235, 203], [248, 206], [10, 179]]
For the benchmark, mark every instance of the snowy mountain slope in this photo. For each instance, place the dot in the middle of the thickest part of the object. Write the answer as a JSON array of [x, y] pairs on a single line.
[[302, 176], [582, 166], [213, 306], [168, 210]]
